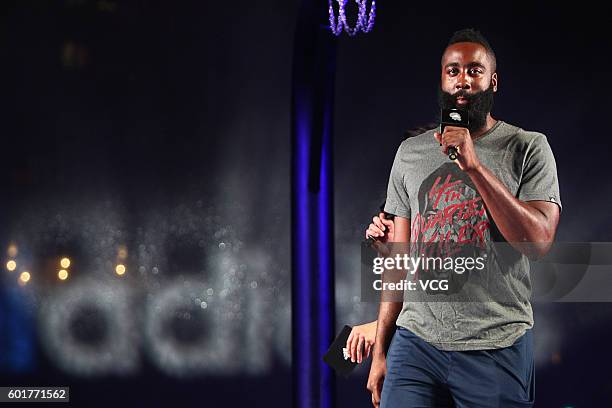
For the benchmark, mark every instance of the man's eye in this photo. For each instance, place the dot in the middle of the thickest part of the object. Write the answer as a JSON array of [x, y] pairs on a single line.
[[475, 71], [453, 71]]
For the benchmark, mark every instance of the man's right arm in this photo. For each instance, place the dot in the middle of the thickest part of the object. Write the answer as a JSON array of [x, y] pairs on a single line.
[[387, 316]]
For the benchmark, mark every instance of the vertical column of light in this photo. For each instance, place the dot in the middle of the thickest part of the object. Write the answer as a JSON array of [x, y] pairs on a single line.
[[326, 250], [312, 221]]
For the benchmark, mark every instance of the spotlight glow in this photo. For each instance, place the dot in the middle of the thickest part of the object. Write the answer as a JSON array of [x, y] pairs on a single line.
[[62, 274], [120, 269], [122, 252], [65, 263], [12, 250], [11, 265], [24, 277]]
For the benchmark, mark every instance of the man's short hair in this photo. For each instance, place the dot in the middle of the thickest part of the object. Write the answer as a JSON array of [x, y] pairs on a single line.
[[474, 36]]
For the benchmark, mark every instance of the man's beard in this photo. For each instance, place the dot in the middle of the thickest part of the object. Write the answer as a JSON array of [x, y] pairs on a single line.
[[479, 105]]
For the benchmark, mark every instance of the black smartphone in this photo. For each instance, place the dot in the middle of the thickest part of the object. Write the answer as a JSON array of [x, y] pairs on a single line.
[[337, 354]]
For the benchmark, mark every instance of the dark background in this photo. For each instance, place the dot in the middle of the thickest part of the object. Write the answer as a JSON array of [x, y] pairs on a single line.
[[169, 123]]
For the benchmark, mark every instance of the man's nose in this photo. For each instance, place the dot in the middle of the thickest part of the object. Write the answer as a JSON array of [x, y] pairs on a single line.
[[463, 82]]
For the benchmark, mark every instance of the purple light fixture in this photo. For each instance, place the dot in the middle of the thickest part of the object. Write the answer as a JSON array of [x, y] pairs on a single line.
[[365, 21]]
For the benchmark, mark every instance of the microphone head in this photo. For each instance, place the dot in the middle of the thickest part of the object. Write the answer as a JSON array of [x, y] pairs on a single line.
[[454, 117]]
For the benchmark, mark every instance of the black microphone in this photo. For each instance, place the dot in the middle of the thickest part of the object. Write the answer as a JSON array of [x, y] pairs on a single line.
[[369, 241], [453, 117]]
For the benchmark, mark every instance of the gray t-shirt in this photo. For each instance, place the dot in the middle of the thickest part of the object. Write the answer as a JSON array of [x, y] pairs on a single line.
[[443, 205]]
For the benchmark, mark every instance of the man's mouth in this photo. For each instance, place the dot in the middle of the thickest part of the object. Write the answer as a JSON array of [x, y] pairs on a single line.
[[462, 100]]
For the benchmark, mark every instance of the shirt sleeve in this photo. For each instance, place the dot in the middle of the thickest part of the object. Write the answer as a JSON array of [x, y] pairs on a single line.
[[398, 202], [539, 180]]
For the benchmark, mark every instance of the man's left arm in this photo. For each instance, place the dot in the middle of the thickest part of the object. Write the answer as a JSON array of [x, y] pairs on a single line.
[[529, 226]]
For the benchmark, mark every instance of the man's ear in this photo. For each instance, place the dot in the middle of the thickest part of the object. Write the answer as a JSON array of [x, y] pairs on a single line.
[[494, 81]]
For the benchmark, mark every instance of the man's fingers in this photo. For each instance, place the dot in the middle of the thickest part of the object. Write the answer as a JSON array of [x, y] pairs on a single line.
[[446, 144], [442, 142], [438, 137], [374, 231], [348, 341], [360, 348], [352, 348], [450, 138], [376, 220], [445, 148], [376, 395], [368, 349], [388, 223]]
